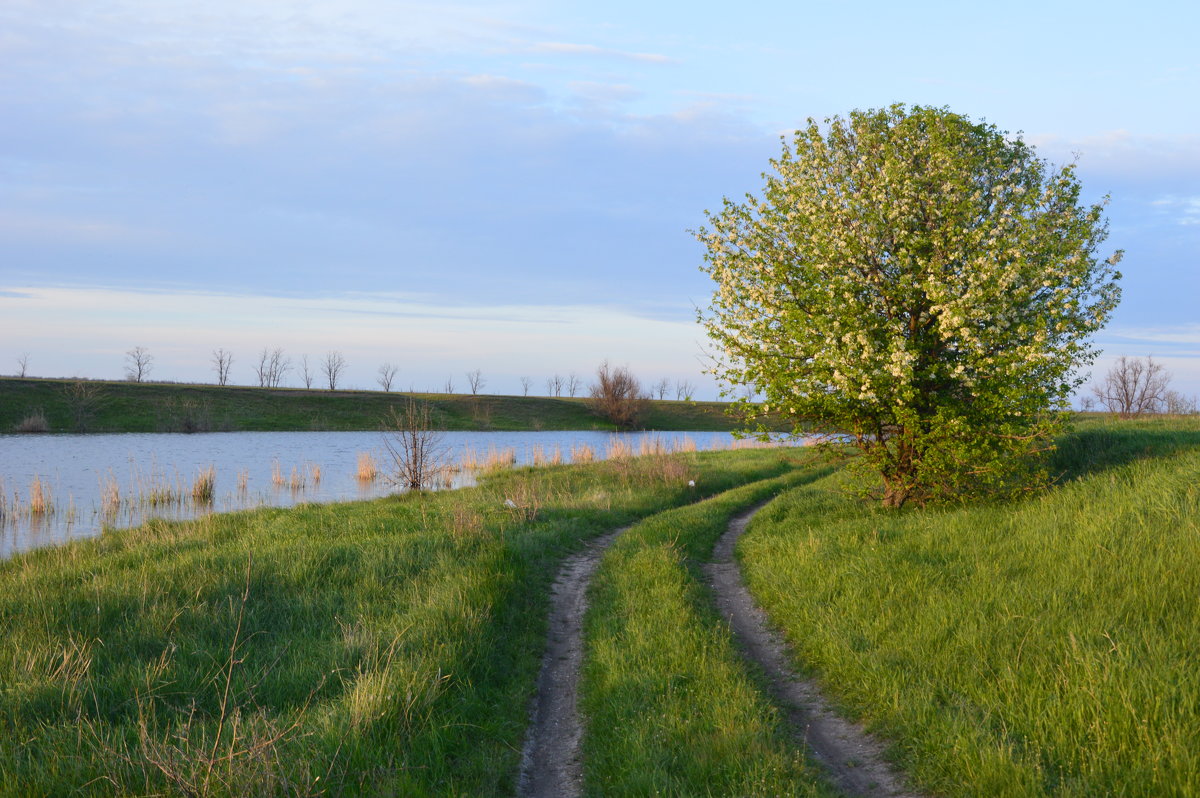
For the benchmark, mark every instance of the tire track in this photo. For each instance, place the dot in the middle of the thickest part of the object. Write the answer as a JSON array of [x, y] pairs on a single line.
[[852, 758], [551, 766]]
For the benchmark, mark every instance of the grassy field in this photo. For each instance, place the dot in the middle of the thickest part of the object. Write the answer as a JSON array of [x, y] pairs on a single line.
[[1046, 647], [1039, 647], [169, 407], [378, 648]]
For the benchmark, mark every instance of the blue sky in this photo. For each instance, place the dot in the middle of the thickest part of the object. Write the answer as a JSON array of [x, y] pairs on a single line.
[[508, 186]]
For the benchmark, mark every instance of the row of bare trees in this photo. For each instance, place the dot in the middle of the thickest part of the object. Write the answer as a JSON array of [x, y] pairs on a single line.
[[615, 387]]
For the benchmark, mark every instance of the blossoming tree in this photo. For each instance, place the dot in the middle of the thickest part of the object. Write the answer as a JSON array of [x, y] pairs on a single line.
[[917, 283]]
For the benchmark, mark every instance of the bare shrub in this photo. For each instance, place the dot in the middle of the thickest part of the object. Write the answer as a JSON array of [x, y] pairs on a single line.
[[33, 423], [617, 395], [573, 383], [387, 373], [554, 385], [1133, 387], [415, 445], [684, 390], [222, 360], [137, 364], [659, 389], [526, 383], [449, 386]]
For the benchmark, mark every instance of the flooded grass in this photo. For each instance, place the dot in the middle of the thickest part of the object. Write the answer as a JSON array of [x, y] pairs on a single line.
[[149, 489]]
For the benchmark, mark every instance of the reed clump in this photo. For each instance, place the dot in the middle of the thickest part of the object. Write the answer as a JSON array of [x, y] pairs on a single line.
[[110, 495], [368, 468], [204, 486], [39, 498]]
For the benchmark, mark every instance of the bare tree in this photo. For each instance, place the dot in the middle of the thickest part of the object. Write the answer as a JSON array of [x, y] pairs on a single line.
[[414, 444], [618, 396], [1179, 405], [1134, 386], [554, 385], [387, 373], [526, 383], [449, 386], [306, 372], [684, 390], [222, 360], [332, 367], [83, 400], [138, 363], [23, 364], [273, 366], [475, 381], [660, 388], [573, 383]]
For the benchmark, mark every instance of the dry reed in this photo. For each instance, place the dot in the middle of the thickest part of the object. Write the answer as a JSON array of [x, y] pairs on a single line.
[[368, 469], [39, 498], [204, 486]]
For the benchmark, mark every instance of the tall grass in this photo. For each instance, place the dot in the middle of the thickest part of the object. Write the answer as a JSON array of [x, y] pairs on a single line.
[[384, 647], [1043, 647]]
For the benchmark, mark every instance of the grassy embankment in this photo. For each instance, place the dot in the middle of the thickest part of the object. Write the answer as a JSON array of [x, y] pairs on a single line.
[[1046, 647], [386, 647], [170, 407]]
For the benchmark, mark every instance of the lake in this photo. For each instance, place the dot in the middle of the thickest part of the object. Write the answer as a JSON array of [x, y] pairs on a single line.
[[55, 488]]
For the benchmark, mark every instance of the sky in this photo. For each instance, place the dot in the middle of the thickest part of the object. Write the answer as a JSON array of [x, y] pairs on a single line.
[[509, 186]]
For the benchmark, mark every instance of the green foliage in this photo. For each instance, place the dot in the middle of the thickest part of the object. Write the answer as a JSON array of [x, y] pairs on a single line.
[[1040, 647], [918, 282]]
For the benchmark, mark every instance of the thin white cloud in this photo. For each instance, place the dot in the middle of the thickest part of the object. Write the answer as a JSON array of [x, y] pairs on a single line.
[[572, 48], [429, 341], [1185, 209], [83, 230]]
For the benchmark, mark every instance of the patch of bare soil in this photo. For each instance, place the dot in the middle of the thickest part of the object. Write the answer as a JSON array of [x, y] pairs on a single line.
[[550, 762], [852, 758]]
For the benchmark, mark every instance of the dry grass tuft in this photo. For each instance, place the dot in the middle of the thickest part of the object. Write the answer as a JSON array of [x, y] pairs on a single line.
[[39, 498], [368, 468], [33, 423]]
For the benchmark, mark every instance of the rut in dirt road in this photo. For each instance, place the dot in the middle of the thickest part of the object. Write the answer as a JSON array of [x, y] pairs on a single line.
[[550, 762], [854, 760]]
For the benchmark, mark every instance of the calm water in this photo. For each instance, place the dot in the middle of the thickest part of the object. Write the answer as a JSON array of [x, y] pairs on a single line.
[[78, 472]]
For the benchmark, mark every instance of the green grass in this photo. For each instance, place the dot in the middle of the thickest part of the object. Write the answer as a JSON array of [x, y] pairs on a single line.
[[1036, 648], [169, 407], [671, 708], [383, 648]]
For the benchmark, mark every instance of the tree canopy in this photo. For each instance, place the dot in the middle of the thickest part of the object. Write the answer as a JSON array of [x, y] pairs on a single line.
[[917, 283]]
